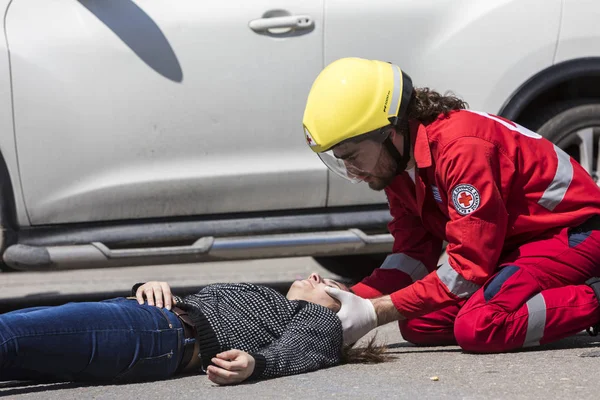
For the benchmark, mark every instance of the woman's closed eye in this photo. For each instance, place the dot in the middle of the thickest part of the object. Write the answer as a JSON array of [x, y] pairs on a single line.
[[332, 283]]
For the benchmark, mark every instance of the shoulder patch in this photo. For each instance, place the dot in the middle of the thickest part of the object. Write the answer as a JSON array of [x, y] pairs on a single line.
[[466, 198]]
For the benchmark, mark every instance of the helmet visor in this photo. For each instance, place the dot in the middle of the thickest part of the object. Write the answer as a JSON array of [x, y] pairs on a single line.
[[356, 159]]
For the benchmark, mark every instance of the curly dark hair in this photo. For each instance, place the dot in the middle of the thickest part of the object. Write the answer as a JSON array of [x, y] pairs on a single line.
[[427, 105]]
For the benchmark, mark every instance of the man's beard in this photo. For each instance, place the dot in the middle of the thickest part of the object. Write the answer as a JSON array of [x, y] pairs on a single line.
[[380, 183]]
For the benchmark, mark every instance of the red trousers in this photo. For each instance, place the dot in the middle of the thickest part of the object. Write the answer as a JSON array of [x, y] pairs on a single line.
[[538, 296]]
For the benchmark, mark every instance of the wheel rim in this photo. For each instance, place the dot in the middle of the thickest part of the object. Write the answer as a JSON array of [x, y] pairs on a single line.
[[582, 145]]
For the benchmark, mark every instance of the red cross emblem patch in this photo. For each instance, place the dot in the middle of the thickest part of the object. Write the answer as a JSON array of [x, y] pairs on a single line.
[[466, 199]]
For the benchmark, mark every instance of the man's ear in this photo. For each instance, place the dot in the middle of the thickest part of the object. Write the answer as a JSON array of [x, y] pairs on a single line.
[[395, 136]]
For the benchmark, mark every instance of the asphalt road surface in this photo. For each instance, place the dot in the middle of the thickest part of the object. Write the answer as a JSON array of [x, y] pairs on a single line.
[[564, 370]]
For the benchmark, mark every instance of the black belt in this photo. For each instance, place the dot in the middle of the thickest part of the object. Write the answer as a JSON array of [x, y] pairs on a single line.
[[190, 333], [591, 224]]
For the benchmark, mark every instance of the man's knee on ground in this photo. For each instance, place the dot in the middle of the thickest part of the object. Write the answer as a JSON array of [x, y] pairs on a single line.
[[480, 327], [483, 331], [416, 332], [469, 336], [410, 334]]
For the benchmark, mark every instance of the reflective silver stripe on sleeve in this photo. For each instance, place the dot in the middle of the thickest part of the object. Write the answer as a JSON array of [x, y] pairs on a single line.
[[455, 282], [515, 128], [393, 110], [536, 322], [559, 185], [414, 268]]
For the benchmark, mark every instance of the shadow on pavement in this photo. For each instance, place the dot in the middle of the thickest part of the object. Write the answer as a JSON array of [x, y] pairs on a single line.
[[579, 341], [14, 388]]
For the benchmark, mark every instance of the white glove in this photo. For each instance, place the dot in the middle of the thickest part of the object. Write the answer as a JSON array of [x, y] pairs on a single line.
[[357, 314]]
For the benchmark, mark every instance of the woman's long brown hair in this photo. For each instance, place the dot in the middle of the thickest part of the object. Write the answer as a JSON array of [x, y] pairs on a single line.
[[370, 354]]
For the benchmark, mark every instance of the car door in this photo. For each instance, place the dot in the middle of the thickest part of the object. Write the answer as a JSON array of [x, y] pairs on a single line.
[[150, 108]]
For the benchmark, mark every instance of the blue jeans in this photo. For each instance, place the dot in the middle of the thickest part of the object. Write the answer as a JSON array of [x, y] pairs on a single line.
[[113, 340]]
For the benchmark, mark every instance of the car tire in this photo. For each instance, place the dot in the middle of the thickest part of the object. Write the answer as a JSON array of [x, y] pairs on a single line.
[[8, 235], [352, 267], [567, 124], [3, 266]]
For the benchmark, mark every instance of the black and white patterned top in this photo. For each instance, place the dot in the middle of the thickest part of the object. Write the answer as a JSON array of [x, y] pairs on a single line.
[[284, 336]]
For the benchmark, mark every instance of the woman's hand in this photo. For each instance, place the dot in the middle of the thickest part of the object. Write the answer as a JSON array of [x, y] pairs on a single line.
[[234, 366], [156, 293]]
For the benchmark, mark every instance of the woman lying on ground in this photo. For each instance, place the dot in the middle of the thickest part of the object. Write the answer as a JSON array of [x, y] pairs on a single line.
[[233, 332]]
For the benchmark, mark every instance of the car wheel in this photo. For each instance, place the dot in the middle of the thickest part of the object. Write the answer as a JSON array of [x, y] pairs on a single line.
[[7, 213], [574, 127], [352, 267]]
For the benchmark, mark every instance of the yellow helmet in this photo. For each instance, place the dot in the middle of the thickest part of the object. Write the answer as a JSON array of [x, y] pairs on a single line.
[[353, 96]]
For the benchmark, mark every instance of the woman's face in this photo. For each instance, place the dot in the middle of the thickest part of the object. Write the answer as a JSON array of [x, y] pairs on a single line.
[[312, 289]]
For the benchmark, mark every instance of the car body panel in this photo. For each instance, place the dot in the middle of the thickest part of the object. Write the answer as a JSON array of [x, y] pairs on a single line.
[[7, 138], [580, 31], [132, 110]]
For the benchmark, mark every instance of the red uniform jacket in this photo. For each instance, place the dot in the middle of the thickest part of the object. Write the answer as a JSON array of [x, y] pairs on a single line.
[[485, 185]]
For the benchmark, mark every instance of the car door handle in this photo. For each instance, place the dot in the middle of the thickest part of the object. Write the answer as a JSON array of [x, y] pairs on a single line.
[[291, 21]]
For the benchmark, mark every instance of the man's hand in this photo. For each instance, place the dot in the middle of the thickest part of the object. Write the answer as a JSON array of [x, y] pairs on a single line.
[[357, 314], [386, 310], [156, 293], [234, 366]]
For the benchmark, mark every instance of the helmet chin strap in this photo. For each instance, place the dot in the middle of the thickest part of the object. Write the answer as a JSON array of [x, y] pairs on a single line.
[[401, 159]]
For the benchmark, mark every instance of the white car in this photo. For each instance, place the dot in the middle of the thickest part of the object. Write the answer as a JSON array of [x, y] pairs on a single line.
[[152, 132]]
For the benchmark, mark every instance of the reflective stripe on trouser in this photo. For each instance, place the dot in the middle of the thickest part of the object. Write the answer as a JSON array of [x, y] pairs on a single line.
[[538, 296], [536, 320], [400, 261]]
